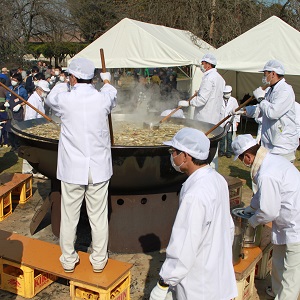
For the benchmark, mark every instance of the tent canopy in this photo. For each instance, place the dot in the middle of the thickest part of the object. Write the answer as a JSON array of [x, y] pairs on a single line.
[[240, 60], [271, 39], [135, 44]]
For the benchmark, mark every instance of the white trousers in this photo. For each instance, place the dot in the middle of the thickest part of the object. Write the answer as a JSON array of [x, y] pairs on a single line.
[[286, 271], [95, 196]]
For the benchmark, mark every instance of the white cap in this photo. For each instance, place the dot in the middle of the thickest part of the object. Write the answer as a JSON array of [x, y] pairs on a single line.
[[274, 65], [227, 89], [210, 58], [242, 143], [191, 141], [82, 68], [44, 85]]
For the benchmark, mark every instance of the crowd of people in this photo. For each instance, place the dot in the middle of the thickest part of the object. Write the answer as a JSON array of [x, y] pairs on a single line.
[[32, 86], [198, 261]]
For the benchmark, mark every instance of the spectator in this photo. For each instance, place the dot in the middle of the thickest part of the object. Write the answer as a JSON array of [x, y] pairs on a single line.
[[15, 105], [3, 121], [29, 85], [4, 74]]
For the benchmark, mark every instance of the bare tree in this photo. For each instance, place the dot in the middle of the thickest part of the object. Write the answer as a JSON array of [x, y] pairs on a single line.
[[91, 18]]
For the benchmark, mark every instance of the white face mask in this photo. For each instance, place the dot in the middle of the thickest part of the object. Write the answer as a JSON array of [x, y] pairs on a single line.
[[14, 83], [177, 168], [202, 68], [265, 80], [227, 95], [249, 166], [35, 83], [62, 78], [56, 73]]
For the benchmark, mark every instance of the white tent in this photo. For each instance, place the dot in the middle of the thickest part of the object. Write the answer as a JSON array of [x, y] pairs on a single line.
[[135, 44], [240, 60]]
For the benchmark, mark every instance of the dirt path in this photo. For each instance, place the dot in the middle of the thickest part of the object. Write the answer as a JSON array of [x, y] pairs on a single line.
[[146, 266]]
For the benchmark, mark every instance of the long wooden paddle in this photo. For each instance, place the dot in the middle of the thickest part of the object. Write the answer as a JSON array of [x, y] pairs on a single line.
[[109, 116], [226, 118], [174, 111]]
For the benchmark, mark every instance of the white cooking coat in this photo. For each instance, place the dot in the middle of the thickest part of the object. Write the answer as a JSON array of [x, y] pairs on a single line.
[[209, 99], [279, 132], [278, 199], [199, 254], [297, 109], [38, 103], [228, 107], [84, 141]]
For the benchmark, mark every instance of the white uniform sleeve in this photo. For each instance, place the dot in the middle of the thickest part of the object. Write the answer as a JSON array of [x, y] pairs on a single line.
[[270, 200], [188, 231], [203, 94], [52, 98], [110, 91], [281, 104]]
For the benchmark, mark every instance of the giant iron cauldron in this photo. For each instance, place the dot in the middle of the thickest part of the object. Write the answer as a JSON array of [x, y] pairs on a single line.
[[143, 189]]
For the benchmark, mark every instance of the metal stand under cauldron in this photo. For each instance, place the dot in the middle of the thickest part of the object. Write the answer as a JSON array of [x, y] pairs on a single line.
[[143, 199]]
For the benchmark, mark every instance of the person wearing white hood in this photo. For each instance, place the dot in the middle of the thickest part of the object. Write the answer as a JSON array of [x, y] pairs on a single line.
[[198, 261], [229, 104], [277, 108], [37, 100], [209, 98], [277, 200], [84, 164]]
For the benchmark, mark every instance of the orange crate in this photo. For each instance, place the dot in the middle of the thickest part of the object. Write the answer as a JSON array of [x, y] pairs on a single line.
[[22, 280], [246, 286], [264, 266], [5, 205], [235, 186], [120, 290], [22, 192]]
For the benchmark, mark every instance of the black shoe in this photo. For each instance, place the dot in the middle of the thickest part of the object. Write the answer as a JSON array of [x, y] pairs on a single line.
[[228, 155], [221, 154]]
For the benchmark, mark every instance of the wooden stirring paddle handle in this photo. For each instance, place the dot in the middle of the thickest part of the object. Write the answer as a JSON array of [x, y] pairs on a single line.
[[109, 116], [226, 118], [174, 111]]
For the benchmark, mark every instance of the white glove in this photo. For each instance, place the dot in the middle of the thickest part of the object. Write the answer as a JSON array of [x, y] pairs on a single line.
[[259, 94], [249, 210], [183, 103], [17, 107], [105, 76], [159, 292], [6, 104], [239, 112]]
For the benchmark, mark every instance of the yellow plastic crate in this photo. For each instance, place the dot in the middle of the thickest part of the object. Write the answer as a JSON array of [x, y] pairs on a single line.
[[120, 290], [264, 266], [22, 280], [246, 286], [5, 205], [22, 192]]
